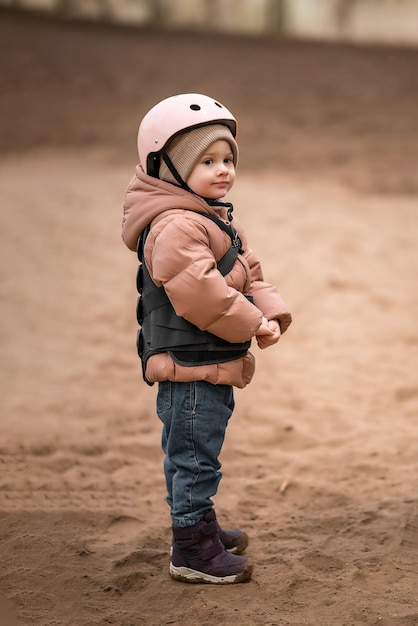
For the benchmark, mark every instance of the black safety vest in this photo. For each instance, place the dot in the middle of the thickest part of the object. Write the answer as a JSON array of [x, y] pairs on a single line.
[[162, 330]]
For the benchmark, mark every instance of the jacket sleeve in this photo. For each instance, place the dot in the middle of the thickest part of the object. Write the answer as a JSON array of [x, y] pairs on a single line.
[[182, 261], [266, 297]]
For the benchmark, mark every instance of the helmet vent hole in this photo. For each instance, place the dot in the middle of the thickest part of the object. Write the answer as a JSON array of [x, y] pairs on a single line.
[[195, 107], [219, 105]]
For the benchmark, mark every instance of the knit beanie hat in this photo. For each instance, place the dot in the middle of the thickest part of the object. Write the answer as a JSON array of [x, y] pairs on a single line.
[[185, 149]]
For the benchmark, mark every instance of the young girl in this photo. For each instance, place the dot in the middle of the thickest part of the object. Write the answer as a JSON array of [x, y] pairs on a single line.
[[203, 298]]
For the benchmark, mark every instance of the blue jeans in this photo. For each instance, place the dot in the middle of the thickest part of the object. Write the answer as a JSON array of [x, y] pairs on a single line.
[[194, 416]]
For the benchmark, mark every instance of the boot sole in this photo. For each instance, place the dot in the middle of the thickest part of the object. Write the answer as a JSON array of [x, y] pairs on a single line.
[[187, 575]]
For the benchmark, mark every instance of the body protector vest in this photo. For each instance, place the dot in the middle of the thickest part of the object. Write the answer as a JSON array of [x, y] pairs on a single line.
[[164, 331]]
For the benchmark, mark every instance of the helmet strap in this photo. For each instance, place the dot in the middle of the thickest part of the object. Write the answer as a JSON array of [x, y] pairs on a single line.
[[215, 203], [173, 170]]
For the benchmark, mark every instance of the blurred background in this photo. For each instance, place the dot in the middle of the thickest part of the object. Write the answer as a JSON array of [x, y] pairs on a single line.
[[333, 83], [390, 21]]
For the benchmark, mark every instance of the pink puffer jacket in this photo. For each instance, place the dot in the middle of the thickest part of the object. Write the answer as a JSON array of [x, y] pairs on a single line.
[[181, 253]]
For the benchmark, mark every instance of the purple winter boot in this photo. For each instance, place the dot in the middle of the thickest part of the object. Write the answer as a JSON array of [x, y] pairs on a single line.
[[199, 556], [234, 540]]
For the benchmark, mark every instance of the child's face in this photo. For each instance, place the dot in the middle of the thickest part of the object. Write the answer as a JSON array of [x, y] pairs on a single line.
[[214, 174]]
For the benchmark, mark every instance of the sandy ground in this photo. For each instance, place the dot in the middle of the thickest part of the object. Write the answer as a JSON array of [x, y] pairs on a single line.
[[320, 462]]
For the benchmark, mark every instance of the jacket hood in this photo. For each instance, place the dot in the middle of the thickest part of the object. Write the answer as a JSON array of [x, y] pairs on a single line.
[[147, 197]]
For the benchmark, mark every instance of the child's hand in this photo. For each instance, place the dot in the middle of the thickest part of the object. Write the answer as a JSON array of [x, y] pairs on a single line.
[[268, 334]]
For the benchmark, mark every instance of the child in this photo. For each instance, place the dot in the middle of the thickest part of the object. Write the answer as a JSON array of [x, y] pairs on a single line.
[[203, 299]]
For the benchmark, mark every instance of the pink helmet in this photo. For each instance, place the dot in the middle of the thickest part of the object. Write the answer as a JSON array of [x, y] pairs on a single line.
[[172, 116]]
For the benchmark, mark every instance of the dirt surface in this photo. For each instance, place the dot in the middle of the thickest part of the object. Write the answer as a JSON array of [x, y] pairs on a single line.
[[320, 461]]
